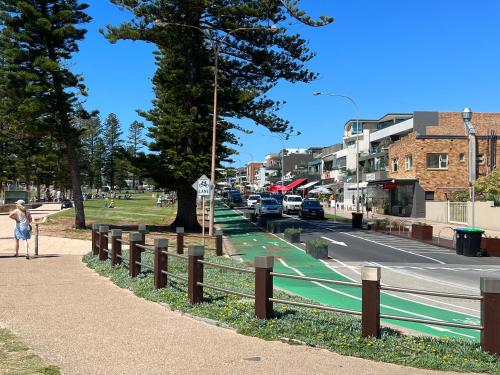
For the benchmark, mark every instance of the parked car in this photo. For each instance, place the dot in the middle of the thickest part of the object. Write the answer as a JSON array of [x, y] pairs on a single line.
[[234, 196], [311, 208], [268, 207], [265, 194], [66, 203], [291, 203], [252, 200]]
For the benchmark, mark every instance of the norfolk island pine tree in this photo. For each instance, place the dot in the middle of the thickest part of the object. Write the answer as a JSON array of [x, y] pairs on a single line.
[[251, 62]]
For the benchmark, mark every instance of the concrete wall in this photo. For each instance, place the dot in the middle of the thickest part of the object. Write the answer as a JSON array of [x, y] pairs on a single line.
[[487, 215], [436, 211]]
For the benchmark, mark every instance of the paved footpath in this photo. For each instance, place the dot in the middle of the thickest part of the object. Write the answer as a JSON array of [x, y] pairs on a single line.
[[83, 323]]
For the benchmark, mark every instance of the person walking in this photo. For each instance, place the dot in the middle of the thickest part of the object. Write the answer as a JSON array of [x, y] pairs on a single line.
[[22, 229]]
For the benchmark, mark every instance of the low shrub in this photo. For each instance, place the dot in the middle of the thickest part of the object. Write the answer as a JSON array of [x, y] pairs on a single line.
[[292, 231], [336, 332]]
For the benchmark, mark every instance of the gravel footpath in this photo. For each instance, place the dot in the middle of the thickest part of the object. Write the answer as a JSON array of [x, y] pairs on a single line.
[[83, 323]]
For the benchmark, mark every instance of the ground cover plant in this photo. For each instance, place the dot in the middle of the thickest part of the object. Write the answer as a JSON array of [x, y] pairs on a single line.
[[17, 358], [336, 332]]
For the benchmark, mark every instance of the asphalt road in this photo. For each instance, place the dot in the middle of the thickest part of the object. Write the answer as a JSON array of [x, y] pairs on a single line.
[[405, 263]]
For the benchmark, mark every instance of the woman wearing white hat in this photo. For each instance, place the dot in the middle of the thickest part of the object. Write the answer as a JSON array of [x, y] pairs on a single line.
[[22, 230]]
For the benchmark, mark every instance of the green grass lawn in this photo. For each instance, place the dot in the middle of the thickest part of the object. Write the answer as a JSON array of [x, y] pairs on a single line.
[[339, 219], [17, 358], [141, 209]]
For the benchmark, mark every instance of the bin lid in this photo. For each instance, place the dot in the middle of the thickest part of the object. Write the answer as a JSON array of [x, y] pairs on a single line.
[[470, 230]]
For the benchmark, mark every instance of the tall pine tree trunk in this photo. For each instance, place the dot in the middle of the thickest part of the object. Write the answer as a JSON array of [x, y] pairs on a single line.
[[186, 210], [76, 182]]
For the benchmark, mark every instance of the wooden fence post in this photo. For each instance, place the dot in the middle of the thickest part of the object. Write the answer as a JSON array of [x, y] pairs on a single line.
[[263, 287], [116, 246], [160, 263], [141, 228], [370, 302], [103, 242], [95, 239], [134, 269], [490, 315], [195, 273], [180, 240], [218, 242]]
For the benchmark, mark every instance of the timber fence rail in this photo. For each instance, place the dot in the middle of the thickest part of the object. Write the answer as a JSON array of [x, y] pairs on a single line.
[[263, 276]]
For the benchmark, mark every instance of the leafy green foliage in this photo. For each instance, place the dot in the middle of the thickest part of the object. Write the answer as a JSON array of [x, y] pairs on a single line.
[[113, 146], [292, 231], [336, 332], [192, 36], [488, 187], [39, 92], [318, 244]]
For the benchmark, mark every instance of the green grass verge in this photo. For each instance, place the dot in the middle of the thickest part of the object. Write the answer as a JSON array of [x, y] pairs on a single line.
[[141, 209], [336, 332], [16, 358], [339, 219]]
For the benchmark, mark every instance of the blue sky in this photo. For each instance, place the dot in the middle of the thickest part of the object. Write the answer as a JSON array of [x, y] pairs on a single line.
[[390, 56]]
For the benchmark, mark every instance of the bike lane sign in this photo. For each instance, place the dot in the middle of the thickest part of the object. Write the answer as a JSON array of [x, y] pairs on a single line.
[[203, 186]]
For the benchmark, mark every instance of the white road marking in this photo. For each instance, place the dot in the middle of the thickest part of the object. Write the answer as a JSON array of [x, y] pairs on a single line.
[[335, 242], [254, 239], [381, 305], [395, 248], [264, 247]]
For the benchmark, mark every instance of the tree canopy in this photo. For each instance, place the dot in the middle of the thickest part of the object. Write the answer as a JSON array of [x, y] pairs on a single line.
[[252, 60]]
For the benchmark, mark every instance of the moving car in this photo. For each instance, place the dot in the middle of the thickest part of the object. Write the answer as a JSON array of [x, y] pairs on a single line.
[[268, 207], [265, 194], [311, 208], [253, 200], [291, 203]]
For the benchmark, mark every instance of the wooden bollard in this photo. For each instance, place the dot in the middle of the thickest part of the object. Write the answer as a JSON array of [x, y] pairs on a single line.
[[263, 287], [195, 273], [134, 269], [180, 240], [141, 228], [103, 242], [116, 246], [95, 239], [370, 304], [490, 315], [160, 263], [218, 242]]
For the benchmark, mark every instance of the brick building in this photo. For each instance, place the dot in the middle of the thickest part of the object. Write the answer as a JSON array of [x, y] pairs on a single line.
[[252, 170], [433, 161]]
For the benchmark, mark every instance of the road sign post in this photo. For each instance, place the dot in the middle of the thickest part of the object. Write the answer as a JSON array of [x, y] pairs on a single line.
[[203, 187]]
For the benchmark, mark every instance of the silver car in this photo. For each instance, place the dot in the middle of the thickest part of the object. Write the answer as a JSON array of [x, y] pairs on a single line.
[[268, 207]]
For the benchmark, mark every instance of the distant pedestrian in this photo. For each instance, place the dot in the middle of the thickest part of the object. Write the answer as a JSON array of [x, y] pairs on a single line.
[[22, 229]]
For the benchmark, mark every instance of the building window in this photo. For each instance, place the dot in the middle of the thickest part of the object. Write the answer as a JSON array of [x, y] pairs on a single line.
[[480, 159], [357, 128], [461, 157], [408, 162], [429, 195], [437, 161], [395, 163]]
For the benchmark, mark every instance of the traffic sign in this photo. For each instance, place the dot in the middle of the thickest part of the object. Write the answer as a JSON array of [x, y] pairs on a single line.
[[203, 186]]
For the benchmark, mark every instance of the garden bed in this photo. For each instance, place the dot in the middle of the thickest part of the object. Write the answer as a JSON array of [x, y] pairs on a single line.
[[340, 333]]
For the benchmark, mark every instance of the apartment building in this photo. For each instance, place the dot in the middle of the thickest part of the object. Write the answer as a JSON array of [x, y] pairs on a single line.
[[252, 170], [432, 161]]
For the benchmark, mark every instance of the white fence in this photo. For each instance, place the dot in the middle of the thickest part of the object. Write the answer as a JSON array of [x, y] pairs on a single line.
[[457, 212]]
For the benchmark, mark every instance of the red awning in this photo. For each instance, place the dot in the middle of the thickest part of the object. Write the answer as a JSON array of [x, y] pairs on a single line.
[[294, 184]]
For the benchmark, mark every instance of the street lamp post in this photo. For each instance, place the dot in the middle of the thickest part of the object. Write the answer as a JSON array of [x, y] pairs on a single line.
[[471, 132], [357, 138]]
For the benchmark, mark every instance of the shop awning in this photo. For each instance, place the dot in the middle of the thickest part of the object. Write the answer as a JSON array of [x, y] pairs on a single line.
[[307, 186], [294, 184]]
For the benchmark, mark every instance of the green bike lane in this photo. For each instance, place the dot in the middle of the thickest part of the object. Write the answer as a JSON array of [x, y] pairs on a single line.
[[248, 242]]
